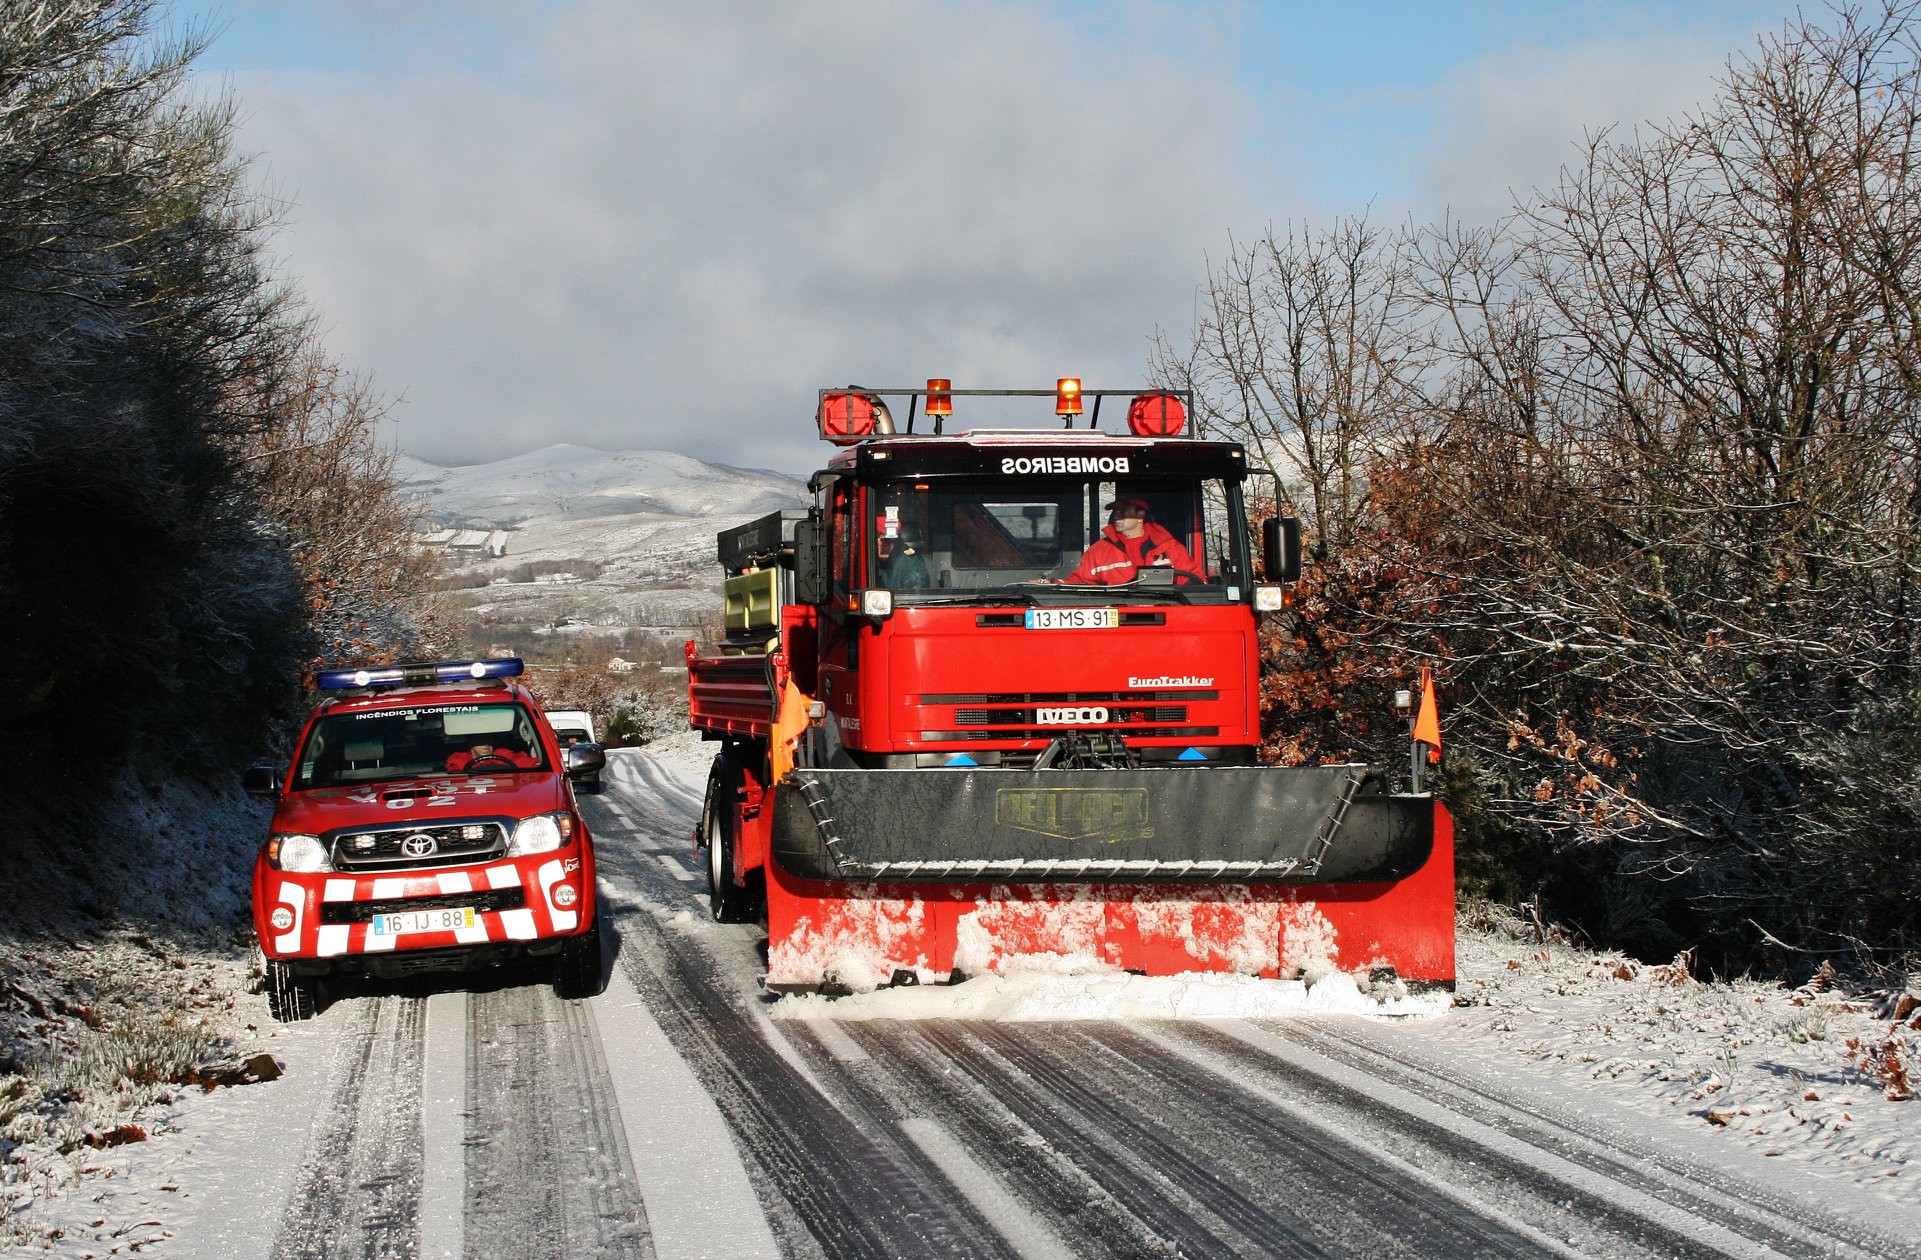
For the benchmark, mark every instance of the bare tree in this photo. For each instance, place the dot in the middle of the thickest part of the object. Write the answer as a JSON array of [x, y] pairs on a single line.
[[1639, 463], [1308, 354], [1689, 542]]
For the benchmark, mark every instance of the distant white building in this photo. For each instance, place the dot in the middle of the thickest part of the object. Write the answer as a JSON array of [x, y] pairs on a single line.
[[488, 542]]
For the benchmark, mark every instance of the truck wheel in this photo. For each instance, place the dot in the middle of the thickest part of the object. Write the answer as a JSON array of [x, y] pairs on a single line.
[[727, 900], [577, 973], [290, 997]]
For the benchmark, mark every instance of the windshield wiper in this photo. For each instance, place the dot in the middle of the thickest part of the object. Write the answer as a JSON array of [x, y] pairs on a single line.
[[1170, 594], [983, 595]]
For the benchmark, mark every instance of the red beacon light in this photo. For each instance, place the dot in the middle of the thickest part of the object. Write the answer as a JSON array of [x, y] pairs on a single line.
[[846, 417], [1156, 415], [939, 401], [1067, 396]]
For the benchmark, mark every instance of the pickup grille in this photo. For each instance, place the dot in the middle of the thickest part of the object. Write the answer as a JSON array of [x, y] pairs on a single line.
[[452, 843]]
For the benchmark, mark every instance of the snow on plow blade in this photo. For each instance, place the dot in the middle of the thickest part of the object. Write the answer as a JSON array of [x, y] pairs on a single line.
[[884, 876]]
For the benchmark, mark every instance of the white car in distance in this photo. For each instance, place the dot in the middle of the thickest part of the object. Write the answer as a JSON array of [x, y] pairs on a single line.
[[575, 726]]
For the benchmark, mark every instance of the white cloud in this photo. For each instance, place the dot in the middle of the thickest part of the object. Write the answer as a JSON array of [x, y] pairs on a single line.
[[665, 225], [1508, 123]]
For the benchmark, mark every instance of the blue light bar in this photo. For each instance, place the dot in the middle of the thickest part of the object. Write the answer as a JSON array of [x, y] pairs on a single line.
[[415, 674]]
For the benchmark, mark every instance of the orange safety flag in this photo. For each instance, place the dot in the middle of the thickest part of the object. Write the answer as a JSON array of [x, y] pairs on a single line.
[[1427, 723], [788, 724]]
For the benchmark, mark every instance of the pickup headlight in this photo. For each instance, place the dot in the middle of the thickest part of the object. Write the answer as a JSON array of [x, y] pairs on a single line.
[[542, 833], [297, 852]]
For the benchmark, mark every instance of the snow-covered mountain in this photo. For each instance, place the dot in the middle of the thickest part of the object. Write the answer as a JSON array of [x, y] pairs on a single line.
[[638, 526], [577, 482]]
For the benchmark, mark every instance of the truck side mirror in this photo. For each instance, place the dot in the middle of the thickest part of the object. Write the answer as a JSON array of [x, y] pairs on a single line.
[[261, 781], [1281, 548], [810, 585]]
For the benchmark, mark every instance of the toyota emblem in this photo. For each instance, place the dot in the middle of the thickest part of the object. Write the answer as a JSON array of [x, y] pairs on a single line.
[[419, 845]]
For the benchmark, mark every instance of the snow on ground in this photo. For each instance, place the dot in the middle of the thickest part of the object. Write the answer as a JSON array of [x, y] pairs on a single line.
[[1810, 1079], [1810, 1075], [1080, 986]]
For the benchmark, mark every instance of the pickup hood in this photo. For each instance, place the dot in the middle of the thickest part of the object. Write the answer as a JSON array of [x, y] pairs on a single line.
[[322, 810]]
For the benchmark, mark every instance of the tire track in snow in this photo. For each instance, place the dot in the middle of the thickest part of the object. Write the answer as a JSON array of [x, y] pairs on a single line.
[[854, 1183], [1269, 1171], [1562, 1207], [1035, 1167], [1694, 1188], [548, 1172], [1150, 1154], [357, 1192]]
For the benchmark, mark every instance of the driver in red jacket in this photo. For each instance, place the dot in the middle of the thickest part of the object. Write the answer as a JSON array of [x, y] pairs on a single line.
[[492, 755], [1131, 542]]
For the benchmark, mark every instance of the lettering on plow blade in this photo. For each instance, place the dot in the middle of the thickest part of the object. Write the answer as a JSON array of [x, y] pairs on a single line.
[[1109, 815]]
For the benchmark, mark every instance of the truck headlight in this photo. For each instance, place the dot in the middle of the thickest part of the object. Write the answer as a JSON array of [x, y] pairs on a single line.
[[297, 852], [1269, 598], [542, 833]]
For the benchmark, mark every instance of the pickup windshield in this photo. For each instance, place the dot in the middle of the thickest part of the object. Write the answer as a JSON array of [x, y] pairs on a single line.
[[950, 540], [380, 746]]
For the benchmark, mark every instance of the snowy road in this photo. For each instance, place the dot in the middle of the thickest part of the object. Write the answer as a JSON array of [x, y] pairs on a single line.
[[675, 1116]]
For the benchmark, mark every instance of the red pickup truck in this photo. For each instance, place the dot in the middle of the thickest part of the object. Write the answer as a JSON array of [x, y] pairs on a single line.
[[426, 823]]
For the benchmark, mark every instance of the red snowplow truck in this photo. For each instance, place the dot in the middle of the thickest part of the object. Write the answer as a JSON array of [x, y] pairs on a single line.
[[996, 693]]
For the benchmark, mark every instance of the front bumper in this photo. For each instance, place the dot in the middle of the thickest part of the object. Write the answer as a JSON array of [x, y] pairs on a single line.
[[517, 902]]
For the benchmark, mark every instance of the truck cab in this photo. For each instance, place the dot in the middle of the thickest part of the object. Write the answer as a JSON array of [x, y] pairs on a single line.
[[984, 593]]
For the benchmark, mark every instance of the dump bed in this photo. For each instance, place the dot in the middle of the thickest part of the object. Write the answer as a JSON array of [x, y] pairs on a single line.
[[730, 696]]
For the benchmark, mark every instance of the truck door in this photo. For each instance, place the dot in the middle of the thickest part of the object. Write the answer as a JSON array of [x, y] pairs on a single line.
[[839, 633]]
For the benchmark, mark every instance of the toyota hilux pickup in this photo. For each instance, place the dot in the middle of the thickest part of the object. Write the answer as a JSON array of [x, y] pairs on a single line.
[[427, 823]]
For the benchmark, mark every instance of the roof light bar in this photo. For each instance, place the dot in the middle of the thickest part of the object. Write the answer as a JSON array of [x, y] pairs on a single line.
[[418, 672]]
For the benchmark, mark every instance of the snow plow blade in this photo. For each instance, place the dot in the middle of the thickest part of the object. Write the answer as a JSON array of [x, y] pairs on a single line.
[[1262, 824], [883, 877]]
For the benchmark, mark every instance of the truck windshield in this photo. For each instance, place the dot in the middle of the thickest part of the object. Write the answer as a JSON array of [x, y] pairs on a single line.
[[1180, 539], [379, 746]]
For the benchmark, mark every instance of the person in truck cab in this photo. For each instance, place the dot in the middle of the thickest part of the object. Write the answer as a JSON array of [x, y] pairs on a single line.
[[484, 754], [1131, 542], [901, 565]]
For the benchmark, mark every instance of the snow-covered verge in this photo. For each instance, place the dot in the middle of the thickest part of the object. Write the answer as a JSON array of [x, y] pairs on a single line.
[[124, 987], [1814, 1074]]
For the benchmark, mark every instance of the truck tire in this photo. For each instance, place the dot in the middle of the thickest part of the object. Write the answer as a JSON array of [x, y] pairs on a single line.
[[727, 900], [290, 998], [577, 973]]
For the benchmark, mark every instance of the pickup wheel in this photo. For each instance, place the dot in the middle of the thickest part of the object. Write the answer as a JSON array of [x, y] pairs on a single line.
[[290, 997], [577, 973], [727, 900]]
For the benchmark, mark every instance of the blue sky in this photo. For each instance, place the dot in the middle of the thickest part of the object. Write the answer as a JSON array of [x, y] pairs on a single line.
[[532, 223]]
